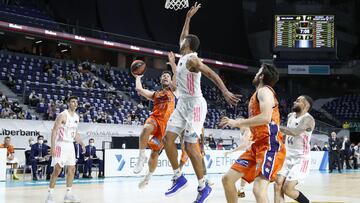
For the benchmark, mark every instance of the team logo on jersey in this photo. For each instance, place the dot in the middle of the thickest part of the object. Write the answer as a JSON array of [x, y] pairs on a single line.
[[242, 162], [208, 160], [121, 161]]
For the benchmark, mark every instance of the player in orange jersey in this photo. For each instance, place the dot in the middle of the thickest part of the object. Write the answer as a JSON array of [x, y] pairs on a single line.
[[245, 143], [266, 156], [155, 125]]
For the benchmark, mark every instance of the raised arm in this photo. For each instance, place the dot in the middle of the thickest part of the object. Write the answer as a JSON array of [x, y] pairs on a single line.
[[61, 119], [143, 92], [171, 57], [189, 15], [306, 124], [194, 64]]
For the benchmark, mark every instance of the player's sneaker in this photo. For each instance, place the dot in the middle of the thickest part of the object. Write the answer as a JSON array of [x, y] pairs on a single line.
[[241, 193], [144, 182], [50, 198], [178, 184], [15, 177], [140, 164], [204, 194], [70, 198]]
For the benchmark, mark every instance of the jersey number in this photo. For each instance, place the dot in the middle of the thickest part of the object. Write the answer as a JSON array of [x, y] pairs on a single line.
[[190, 83], [290, 140]]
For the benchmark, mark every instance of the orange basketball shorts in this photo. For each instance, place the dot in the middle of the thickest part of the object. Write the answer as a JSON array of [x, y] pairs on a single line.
[[264, 158], [155, 142]]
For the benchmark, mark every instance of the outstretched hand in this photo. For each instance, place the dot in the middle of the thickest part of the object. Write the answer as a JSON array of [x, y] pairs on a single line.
[[137, 76], [171, 57], [231, 99], [193, 10], [225, 121]]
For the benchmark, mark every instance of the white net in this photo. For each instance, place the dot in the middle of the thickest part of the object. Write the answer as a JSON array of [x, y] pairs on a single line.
[[176, 4]]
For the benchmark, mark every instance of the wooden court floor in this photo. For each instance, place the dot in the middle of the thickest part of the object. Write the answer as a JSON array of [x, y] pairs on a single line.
[[319, 187]]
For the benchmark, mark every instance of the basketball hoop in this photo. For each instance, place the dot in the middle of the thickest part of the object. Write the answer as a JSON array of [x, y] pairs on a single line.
[[176, 4]]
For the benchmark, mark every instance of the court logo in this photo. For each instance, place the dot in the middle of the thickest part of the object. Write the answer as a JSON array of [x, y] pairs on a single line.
[[121, 161], [208, 160]]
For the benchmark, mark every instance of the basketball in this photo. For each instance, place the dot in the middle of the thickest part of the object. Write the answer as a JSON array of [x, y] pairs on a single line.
[[138, 67]]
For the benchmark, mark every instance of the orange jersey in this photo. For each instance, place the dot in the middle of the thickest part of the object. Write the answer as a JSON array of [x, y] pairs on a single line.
[[261, 133], [266, 156], [164, 104], [10, 149]]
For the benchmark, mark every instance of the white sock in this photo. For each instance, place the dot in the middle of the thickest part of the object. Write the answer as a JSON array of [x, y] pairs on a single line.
[[142, 152], [68, 189], [148, 175], [51, 190], [202, 182], [177, 172], [241, 189]]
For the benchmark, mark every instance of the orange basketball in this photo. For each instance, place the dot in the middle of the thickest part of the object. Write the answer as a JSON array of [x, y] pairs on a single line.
[[138, 67]]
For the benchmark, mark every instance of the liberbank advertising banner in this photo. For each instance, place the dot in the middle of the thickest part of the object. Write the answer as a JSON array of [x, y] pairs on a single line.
[[21, 130], [121, 162]]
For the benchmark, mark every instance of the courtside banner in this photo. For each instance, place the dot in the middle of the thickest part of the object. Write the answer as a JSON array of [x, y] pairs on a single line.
[[120, 162], [21, 130], [3, 164]]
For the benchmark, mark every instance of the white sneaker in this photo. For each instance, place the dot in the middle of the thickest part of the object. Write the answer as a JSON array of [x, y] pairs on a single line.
[[140, 164], [50, 198], [70, 198], [144, 182]]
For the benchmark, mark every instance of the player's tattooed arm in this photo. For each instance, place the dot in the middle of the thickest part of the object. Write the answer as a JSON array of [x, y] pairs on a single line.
[[171, 57], [306, 124], [143, 92]]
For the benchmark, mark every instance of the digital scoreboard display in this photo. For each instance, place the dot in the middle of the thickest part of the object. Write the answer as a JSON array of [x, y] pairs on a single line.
[[304, 31]]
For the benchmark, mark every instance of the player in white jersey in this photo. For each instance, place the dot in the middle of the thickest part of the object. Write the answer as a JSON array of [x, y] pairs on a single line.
[[300, 125], [64, 133], [191, 109]]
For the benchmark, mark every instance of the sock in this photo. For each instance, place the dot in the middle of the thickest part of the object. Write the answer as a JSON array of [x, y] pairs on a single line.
[[177, 172], [302, 199], [202, 182], [241, 189], [149, 174], [142, 152], [51, 190], [68, 189]]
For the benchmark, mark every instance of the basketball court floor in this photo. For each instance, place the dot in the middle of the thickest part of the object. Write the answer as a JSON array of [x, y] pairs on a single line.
[[319, 187]]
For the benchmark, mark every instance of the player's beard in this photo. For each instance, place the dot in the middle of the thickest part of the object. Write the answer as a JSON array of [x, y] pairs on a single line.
[[296, 109]]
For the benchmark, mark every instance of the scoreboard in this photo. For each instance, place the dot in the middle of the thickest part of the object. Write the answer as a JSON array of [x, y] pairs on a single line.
[[304, 31]]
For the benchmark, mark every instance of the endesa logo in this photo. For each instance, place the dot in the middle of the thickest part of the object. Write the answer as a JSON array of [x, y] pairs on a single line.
[[121, 161]]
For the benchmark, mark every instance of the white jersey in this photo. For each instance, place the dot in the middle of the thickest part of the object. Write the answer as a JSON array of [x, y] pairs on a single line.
[[68, 131], [297, 146], [187, 83]]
